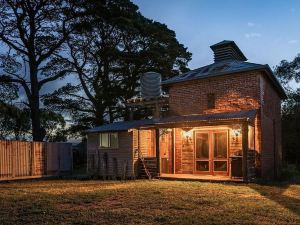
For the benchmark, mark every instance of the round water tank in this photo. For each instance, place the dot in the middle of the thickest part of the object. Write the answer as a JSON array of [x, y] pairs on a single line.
[[150, 85]]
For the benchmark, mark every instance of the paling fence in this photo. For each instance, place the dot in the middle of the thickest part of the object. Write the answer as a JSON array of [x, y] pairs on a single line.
[[25, 159]]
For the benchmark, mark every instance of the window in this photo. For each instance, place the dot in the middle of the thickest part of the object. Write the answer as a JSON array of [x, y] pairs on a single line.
[[109, 140], [211, 101], [220, 145]]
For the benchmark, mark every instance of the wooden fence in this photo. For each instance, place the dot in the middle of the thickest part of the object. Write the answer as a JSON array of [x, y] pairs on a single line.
[[20, 159]]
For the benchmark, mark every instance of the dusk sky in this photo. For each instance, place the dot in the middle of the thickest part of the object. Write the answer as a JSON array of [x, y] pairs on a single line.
[[266, 31]]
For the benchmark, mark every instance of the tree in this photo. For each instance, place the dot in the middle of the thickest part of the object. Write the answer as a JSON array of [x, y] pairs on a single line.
[[289, 72], [108, 55], [33, 33], [54, 125], [14, 121]]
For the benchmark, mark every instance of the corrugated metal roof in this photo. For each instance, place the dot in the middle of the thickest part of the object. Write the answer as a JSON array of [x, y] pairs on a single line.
[[215, 69], [126, 125], [223, 68], [120, 126], [245, 114]]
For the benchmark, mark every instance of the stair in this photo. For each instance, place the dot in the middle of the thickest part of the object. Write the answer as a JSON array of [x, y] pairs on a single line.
[[151, 168]]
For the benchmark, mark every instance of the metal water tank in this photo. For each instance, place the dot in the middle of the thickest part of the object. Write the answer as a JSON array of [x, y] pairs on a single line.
[[150, 85]]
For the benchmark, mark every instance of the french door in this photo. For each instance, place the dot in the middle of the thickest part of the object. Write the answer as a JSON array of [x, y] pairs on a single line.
[[211, 152]]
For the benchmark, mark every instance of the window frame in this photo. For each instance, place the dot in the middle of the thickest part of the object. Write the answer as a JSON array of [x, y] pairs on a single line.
[[211, 101], [109, 135]]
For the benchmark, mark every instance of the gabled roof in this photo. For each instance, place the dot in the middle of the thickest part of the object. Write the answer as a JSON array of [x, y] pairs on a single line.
[[229, 59], [119, 126], [224, 68], [215, 69]]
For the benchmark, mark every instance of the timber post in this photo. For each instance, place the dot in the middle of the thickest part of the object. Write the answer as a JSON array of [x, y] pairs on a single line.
[[157, 151], [245, 150]]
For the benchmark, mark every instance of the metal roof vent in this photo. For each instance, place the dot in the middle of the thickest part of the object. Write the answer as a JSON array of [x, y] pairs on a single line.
[[150, 85], [227, 50]]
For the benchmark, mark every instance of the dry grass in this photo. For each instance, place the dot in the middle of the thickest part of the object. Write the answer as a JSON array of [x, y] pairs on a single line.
[[147, 202]]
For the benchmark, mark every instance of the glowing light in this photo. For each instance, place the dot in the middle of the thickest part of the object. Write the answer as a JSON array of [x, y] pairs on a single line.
[[187, 135], [237, 131]]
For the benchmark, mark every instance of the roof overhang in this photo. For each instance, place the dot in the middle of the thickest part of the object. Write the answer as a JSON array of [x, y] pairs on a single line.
[[119, 126], [180, 121], [204, 119]]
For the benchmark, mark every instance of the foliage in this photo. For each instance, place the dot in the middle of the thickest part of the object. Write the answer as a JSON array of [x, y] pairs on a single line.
[[289, 72], [106, 45], [14, 122], [54, 125], [33, 34], [111, 48], [15, 119]]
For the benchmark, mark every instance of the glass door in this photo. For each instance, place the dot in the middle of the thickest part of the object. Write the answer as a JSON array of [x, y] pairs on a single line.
[[211, 152], [202, 156], [220, 149]]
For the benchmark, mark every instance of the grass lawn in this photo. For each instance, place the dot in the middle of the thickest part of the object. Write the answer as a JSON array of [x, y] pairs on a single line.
[[147, 202]]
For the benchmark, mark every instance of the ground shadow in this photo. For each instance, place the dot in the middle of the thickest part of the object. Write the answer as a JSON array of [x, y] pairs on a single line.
[[277, 195]]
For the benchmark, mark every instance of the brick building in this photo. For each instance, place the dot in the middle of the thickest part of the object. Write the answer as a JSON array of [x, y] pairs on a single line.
[[220, 121]]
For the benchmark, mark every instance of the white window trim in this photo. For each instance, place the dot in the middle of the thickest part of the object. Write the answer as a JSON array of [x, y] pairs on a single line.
[[109, 140]]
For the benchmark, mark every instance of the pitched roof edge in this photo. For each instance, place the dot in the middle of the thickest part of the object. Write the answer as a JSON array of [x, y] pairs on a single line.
[[275, 81], [119, 126], [265, 68], [167, 83]]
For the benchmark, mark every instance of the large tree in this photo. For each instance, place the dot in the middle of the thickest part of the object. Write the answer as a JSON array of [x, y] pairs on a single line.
[[289, 74], [108, 55], [32, 35], [14, 121]]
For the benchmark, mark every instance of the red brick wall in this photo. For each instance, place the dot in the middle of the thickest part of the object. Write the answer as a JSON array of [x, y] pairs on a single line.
[[270, 130], [232, 93], [243, 91]]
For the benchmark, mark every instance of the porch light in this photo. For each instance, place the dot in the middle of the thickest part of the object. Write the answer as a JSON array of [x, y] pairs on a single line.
[[187, 135], [237, 131]]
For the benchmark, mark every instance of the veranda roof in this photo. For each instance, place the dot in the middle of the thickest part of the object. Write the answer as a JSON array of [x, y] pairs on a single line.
[[237, 115], [172, 120]]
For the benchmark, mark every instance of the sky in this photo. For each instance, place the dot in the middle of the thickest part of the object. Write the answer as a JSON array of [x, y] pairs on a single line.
[[266, 31]]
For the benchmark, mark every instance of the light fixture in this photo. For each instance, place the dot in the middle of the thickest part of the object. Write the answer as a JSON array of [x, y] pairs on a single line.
[[187, 134], [237, 131]]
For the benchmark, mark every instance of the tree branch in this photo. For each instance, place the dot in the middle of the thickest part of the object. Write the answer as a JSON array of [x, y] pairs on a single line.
[[7, 79], [57, 76]]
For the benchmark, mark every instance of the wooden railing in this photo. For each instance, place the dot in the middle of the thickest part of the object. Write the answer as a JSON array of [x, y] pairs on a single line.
[[150, 163]]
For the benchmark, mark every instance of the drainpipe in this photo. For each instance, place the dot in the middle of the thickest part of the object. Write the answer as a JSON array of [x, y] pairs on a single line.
[[274, 149]]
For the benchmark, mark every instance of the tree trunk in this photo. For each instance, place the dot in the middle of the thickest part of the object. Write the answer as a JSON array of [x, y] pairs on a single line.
[[38, 133], [99, 116]]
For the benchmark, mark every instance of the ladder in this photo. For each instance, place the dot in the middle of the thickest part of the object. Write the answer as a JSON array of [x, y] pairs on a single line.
[[140, 156]]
